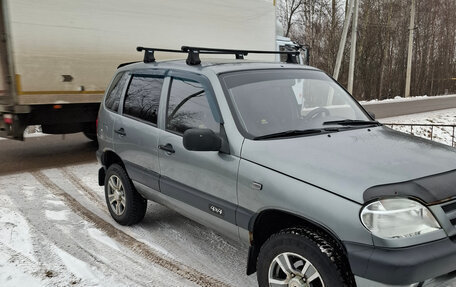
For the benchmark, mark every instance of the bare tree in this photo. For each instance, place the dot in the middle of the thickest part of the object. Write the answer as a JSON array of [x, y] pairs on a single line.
[[382, 43]]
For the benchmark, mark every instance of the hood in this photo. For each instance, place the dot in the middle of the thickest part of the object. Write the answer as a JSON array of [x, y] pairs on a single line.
[[352, 161]]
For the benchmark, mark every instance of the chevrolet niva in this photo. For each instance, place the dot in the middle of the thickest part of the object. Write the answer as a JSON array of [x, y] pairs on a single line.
[[280, 157]]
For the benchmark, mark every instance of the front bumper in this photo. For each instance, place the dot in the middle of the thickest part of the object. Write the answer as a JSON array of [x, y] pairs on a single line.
[[402, 266], [447, 280]]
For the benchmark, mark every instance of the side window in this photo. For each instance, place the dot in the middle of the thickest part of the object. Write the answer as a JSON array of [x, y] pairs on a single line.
[[143, 97], [113, 95], [189, 108]]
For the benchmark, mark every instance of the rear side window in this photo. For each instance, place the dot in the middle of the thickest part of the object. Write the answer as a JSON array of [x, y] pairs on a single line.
[[188, 108], [143, 97], [115, 91]]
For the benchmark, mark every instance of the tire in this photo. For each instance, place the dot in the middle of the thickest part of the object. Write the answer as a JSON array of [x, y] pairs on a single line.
[[325, 265], [125, 204], [90, 131], [90, 136]]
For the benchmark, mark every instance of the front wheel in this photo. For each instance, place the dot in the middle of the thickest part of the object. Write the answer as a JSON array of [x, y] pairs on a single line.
[[125, 204], [300, 258]]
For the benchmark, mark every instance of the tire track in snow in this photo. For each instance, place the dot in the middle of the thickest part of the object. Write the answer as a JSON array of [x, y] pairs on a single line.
[[178, 268], [84, 188]]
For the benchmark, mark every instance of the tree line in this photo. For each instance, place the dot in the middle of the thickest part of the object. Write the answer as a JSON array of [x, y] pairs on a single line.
[[381, 52]]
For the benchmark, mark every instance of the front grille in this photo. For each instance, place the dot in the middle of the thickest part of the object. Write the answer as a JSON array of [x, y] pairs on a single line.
[[449, 207], [450, 211]]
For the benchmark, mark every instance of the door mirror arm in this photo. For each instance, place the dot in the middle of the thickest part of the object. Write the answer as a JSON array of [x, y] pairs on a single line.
[[225, 148]]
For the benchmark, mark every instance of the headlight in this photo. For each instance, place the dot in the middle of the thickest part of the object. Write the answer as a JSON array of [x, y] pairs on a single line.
[[398, 218]]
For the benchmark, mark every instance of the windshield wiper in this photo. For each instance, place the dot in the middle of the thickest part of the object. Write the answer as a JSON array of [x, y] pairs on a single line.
[[352, 123], [289, 133]]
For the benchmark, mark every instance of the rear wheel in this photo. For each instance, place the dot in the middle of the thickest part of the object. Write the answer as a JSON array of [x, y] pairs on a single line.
[[125, 204], [299, 258]]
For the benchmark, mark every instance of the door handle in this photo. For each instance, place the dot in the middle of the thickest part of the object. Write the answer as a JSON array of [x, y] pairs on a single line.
[[120, 131], [168, 148]]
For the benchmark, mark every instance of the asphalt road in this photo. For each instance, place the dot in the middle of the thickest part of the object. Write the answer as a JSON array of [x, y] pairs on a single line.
[[47, 151], [400, 108]]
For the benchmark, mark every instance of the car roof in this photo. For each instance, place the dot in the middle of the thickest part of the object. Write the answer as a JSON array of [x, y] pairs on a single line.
[[216, 66]]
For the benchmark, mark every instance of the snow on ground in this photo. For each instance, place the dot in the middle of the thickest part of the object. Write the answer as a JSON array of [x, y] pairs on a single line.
[[403, 99], [44, 242], [31, 132], [441, 134], [55, 230]]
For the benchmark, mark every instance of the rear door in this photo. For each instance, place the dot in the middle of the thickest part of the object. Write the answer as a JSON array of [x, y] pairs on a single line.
[[204, 181], [135, 131]]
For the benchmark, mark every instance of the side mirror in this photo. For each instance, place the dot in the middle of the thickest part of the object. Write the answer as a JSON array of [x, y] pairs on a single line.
[[201, 140]]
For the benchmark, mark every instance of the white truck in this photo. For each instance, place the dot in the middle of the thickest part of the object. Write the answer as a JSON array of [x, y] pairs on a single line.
[[57, 56]]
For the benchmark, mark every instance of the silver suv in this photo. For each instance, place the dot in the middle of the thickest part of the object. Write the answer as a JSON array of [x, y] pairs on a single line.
[[280, 157]]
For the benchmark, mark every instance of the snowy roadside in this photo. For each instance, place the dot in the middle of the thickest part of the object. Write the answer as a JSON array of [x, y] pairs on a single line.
[[441, 134], [31, 132], [403, 99], [55, 231]]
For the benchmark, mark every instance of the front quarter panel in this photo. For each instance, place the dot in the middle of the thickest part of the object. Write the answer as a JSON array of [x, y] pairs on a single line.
[[281, 192]]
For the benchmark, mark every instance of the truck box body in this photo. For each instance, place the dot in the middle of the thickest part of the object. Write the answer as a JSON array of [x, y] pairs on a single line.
[[59, 55]]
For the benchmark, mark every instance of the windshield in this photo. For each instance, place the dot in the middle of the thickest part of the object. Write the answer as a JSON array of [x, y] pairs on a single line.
[[275, 101]]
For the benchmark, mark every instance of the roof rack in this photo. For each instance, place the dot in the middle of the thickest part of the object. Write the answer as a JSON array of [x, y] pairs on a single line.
[[194, 52]]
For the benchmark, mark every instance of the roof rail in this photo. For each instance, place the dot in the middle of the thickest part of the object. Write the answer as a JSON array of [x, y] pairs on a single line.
[[194, 52], [126, 64]]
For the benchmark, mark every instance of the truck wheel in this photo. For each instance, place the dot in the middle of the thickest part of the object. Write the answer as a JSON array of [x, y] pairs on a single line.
[[90, 136], [125, 204], [301, 258]]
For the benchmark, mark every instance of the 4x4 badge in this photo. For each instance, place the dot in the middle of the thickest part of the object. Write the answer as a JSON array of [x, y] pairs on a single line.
[[216, 209]]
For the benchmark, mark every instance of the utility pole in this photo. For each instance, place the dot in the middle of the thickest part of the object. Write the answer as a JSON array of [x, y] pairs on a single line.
[[410, 47], [351, 69], [343, 39]]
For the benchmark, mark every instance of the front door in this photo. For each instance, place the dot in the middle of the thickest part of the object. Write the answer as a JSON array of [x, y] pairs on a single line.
[[204, 181]]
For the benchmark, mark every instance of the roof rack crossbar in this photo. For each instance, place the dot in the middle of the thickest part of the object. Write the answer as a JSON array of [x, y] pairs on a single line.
[[149, 53], [194, 52], [235, 51], [292, 56]]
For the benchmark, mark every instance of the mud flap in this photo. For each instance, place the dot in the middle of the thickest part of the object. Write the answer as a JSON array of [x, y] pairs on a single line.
[[101, 176], [252, 259]]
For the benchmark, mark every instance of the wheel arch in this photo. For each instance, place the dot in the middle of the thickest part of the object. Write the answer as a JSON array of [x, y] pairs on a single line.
[[270, 221], [108, 158]]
